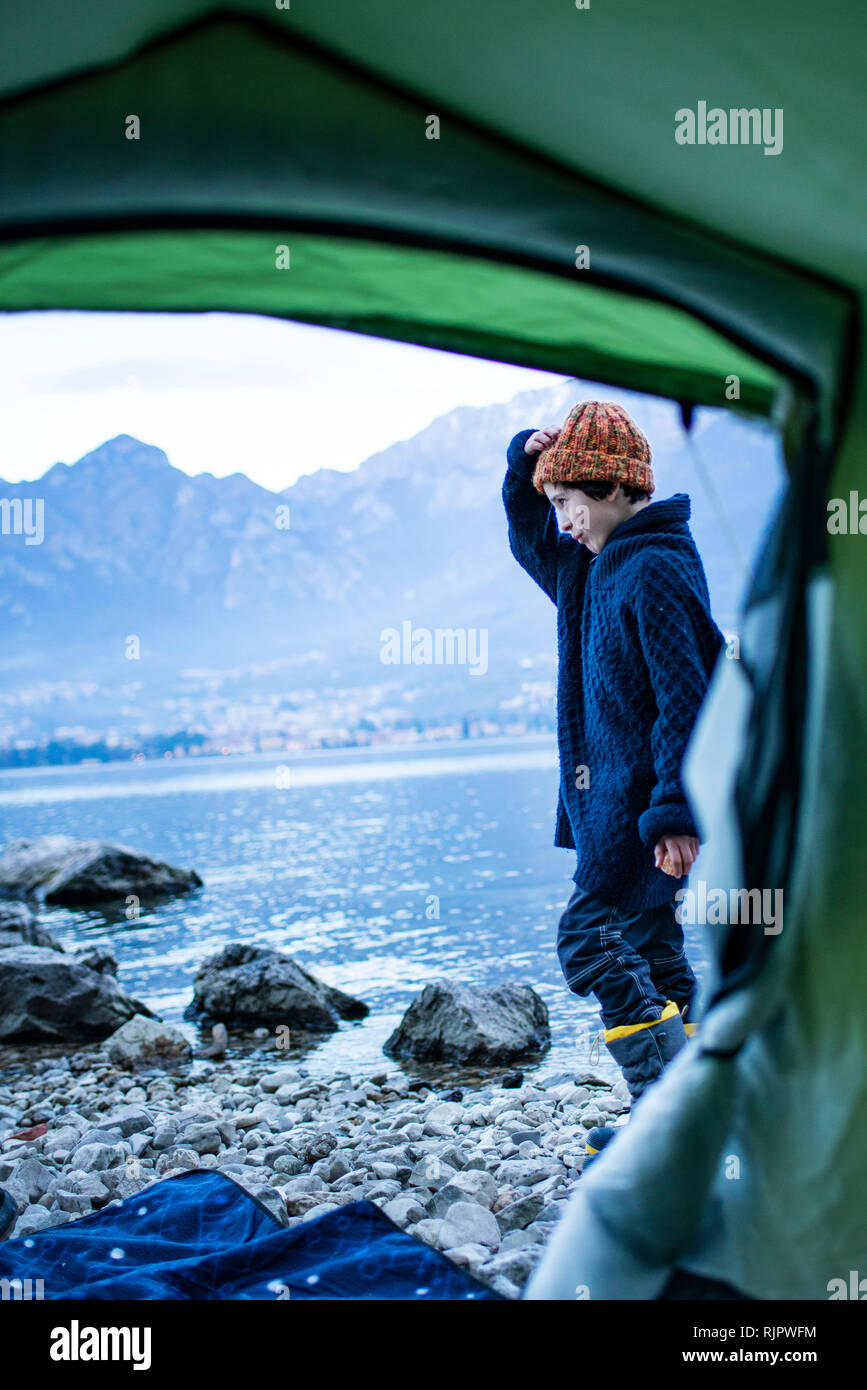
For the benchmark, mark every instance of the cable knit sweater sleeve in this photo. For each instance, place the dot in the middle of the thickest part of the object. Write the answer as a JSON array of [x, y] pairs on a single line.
[[679, 641], [534, 537]]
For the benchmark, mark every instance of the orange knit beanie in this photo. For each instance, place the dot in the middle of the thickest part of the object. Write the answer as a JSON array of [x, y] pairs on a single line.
[[600, 443]]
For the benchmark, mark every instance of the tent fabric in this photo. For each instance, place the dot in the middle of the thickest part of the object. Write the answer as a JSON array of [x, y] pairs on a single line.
[[200, 1235], [434, 297], [299, 139], [306, 126]]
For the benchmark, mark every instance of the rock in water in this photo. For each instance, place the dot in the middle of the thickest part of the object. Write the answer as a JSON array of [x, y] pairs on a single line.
[[218, 1044], [100, 958], [144, 1042], [60, 869], [46, 994], [19, 927], [470, 1024], [247, 985]]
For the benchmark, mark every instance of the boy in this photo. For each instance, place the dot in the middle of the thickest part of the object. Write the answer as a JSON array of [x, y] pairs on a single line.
[[637, 645]]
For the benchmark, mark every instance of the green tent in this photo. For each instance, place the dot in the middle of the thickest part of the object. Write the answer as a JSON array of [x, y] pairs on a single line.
[[505, 180]]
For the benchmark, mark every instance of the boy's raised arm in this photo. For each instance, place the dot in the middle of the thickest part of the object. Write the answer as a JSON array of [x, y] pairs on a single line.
[[534, 537]]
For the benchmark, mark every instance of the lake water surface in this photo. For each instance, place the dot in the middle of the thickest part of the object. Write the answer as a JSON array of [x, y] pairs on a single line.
[[341, 859]]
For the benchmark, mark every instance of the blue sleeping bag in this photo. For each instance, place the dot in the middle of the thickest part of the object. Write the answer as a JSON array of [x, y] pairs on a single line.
[[200, 1235]]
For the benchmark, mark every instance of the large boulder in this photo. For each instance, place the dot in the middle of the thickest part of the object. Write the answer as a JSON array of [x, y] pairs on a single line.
[[144, 1042], [61, 869], [252, 985], [53, 995], [477, 1026], [19, 927]]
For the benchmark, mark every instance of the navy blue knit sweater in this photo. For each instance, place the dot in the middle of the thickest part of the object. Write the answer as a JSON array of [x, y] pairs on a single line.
[[636, 646]]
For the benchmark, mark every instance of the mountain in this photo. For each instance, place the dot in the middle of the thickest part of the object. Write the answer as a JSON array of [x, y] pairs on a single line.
[[206, 574]]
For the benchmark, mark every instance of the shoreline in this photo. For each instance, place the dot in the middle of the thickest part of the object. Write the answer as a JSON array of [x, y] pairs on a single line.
[[479, 1170]]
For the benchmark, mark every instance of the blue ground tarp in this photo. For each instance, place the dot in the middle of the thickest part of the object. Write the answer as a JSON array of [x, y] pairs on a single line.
[[200, 1235]]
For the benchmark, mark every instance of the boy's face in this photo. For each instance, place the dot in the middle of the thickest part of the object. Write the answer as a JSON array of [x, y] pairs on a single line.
[[582, 517]]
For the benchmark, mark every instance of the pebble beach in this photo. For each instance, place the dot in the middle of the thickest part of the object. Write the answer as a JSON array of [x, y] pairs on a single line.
[[478, 1165]]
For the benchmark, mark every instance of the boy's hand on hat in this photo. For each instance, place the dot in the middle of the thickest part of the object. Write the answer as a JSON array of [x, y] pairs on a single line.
[[542, 439], [675, 854]]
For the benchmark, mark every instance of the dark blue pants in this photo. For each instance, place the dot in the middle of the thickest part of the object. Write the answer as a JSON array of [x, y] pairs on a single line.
[[632, 962]]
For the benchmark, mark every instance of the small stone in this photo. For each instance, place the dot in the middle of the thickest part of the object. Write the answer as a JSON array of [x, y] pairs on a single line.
[[247, 1119], [32, 1219], [205, 1138], [122, 1183], [28, 1180], [526, 1172], [164, 1134], [270, 1198], [468, 1223], [431, 1172], [80, 1191], [428, 1231], [144, 1042], [177, 1158], [469, 1255], [338, 1167], [91, 1158], [475, 1161], [526, 1136], [132, 1119], [512, 1080], [307, 1182], [473, 1185], [384, 1170], [443, 1118], [519, 1214], [381, 1191], [65, 1137], [216, 1048], [514, 1265], [320, 1147], [301, 1203], [553, 1211], [288, 1163], [322, 1209], [520, 1240], [593, 1078], [275, 1080], [404, 1209]]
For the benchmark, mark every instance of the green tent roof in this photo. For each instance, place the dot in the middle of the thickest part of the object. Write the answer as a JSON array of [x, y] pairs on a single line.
[[310, 124]]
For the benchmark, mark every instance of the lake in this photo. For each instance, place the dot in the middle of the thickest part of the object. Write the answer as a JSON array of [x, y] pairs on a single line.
[[342, 859]]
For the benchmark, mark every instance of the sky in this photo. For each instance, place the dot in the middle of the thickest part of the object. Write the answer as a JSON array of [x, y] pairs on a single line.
[[224, 393]]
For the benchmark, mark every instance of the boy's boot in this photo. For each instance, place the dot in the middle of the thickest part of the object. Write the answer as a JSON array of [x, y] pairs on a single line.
[[641, 1050]]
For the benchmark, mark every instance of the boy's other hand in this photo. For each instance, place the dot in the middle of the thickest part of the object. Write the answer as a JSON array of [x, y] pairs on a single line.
[[675, 854], [540, 440]]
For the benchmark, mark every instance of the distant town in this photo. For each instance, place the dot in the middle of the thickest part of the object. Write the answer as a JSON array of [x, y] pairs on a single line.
[[292, 723]]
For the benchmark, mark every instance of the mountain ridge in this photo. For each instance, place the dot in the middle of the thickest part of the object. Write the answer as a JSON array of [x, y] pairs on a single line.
[[201, 571]]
